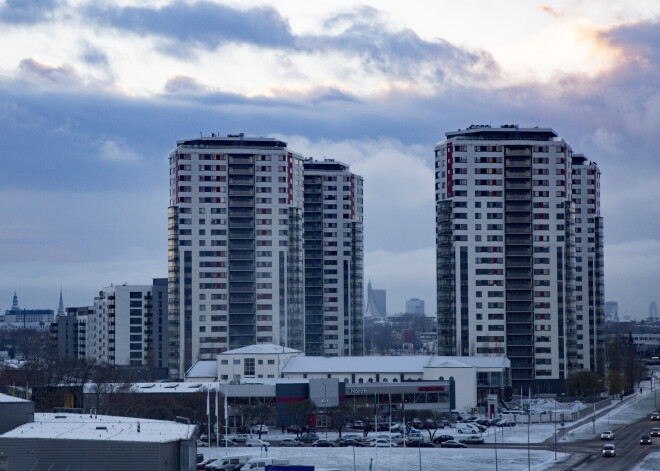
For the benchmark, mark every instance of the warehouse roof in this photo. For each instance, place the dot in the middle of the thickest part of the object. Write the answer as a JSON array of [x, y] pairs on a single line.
[[260, 349], [102, 427]]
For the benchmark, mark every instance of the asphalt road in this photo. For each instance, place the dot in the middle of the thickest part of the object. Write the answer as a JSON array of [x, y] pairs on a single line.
[[588, 453]]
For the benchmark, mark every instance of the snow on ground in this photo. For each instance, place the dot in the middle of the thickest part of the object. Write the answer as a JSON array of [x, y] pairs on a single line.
[[651, 463], [630, 411], [432, 459]]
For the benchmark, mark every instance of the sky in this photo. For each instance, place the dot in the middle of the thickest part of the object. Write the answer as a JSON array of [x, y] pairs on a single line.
[[94, 95]]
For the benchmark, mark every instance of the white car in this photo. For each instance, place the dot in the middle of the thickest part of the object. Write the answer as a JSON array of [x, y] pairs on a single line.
[[607, 435], [256, 442], [383, 443], [256, 428]]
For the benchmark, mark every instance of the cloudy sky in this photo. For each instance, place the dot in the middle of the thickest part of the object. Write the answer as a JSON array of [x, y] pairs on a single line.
[[94, 94]]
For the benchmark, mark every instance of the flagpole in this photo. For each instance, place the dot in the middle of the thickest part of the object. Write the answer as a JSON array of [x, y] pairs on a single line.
[[217, 424], [405, 427], [389, 403], [208, 415], [376, 424], [226, 422]]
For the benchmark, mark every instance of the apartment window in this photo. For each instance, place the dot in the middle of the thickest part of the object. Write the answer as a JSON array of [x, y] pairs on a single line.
[[248, 367]]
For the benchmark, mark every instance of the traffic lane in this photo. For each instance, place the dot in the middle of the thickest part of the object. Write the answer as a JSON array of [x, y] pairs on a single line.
[[629, 452]]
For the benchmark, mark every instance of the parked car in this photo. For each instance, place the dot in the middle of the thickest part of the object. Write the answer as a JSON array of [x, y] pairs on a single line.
[[293, 429], [228, 463], [505, 423], [309, 429], [609, 451], [261, 464], [397, 438], [442, 438], [227, 443], [383, 443], [655, 432], [464, 427], [241, 437], [645, 440], [608, 435], [323, 443], [256, 442], [471, 440], [419, 444], [452, 444], [203, 464], [483, 421], [358, 424], [308, 437], [259, 428], [349, 442], [290, 442]]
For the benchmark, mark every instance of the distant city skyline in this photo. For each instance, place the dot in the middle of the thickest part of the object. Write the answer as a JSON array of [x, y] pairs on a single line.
[[91, 93]]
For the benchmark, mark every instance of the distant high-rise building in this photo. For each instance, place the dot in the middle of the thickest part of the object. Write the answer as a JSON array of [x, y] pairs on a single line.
[[507, 253], [612, 311], [376, 302], [333, 234], [653, 310], [415, 306], [235, 247], [589, 264]]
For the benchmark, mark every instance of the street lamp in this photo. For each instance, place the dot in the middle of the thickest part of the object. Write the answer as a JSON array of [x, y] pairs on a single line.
[[324, 405]]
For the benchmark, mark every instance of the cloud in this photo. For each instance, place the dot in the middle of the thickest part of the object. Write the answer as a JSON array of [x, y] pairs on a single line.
[[27, 12], [45, 73], [186, 29], [116, 151], [199, 24], [549, 10], [184, 84]]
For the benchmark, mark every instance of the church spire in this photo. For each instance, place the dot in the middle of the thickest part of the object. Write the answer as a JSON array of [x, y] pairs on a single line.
[[60, 309], [14, 304]]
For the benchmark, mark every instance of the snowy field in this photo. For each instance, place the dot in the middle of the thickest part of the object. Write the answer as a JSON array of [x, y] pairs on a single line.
[[650, 463], [432, 459]]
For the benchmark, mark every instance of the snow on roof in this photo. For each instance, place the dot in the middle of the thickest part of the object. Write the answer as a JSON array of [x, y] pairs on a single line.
[[6, 398], [261, 349], [375, 364], [102, 428], [271, 381], [160, 388], [484, 362], [388, 364], [203, 369]]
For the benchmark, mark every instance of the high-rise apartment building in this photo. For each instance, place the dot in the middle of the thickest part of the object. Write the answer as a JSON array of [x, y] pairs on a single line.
[[506, 252], [235, 247], [415, 306], [334, 276], [589, 265], [612, 311]]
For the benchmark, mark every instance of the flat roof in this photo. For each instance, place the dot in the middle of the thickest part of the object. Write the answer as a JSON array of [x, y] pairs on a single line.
[[260, 349], [4, 398], [101, 428]]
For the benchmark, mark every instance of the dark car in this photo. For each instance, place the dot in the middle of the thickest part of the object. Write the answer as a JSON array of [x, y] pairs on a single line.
[[309, 429], [227, 443], [645, 440], [452, 444], [308, 437], [419, 444], [323, 443], [293, 429], [442, 438], [472, 440], [655, 416], [349, 442], [655, 432]]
